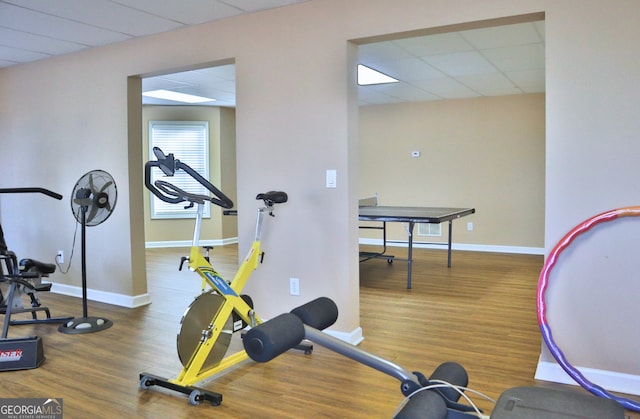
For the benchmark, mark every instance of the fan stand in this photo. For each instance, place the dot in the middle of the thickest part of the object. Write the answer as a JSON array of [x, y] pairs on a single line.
[[84, 324]]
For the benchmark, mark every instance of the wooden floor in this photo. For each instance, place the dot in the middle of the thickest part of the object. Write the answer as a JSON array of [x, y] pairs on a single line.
[[480, 312]]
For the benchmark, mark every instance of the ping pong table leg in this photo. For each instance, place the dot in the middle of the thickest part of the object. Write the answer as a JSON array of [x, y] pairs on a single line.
[[410, 254], [449, 244]]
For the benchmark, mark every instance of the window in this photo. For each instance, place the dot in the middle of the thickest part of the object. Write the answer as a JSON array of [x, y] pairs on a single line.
[[189, 143]]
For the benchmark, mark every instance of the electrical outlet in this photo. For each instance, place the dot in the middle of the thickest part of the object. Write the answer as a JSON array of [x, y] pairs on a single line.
[[60, 256], [469, 226], [294, 286]]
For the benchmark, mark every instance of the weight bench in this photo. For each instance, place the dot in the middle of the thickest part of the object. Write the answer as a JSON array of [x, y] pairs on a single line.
[[435, 397]]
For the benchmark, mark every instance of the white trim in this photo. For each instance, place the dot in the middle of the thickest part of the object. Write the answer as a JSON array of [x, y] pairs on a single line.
[[458, 246], [609, 380], [188, 243], [127, 301], [354, 337], [373, 242]]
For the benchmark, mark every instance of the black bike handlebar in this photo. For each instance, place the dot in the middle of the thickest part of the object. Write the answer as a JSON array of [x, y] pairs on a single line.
[[170, 193], [172, 190]]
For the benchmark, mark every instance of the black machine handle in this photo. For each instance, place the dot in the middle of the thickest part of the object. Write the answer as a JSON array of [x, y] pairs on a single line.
[[170, 193], [31, 190]]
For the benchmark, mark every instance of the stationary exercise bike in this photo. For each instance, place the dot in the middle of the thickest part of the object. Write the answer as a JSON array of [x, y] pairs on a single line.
[[212, 318]]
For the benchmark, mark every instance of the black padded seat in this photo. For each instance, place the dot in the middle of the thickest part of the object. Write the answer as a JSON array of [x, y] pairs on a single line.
[[31, 265]]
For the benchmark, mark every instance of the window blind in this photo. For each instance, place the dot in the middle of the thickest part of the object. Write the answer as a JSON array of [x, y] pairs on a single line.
[[189, 143]]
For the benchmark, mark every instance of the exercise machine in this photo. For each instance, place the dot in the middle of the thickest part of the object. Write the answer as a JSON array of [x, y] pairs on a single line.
[[221, 310], [23, 278], [435, 397]]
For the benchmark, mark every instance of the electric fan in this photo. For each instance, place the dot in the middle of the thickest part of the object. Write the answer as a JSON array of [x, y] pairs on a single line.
[[92, 202]]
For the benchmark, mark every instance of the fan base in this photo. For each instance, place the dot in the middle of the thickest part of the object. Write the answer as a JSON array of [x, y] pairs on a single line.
[[85, 325]]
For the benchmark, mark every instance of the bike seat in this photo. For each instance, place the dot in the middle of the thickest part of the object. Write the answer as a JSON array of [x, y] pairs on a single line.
[[40, 267], [273, 197]]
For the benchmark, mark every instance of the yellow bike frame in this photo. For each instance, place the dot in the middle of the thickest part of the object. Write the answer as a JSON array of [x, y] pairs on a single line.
[[192, 372]]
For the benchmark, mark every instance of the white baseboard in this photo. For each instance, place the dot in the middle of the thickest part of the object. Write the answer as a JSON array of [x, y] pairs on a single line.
[[127, 301], [374, 242], [354, 337], [188, 243], [609, 380], [458, 246]]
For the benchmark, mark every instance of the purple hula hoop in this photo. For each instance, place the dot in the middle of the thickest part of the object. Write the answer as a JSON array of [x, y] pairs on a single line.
[[543, 283]]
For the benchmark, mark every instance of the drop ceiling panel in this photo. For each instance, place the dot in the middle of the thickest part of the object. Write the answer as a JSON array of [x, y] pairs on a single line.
[[368, 96], [485, 82], [503, 36], [461, 63], [382, 52], [33, 22], [406, 92], [446, 88], [91, 23], [214, 82], [255, 5], [530, 81], [196, 12], [515, 58], [437, 44], [13, 54], [408, 69], [102, 14], [540, 29], [502, 60], [31, 43]]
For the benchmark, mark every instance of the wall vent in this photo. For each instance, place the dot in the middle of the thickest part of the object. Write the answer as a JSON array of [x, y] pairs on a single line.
[[432, 230]]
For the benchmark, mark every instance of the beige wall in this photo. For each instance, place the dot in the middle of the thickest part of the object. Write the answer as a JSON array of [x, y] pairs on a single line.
[[484, 153], [296, 116], [222, 167], [227, 167]]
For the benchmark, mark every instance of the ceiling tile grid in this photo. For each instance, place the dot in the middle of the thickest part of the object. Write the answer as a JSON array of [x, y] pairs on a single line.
[[495, 61], [39, 29]]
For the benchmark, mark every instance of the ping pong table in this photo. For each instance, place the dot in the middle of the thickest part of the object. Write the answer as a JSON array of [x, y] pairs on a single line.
[[370, 211]]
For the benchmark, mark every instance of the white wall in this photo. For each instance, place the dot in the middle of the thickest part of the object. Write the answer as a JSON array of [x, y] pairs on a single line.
[[297, 117]]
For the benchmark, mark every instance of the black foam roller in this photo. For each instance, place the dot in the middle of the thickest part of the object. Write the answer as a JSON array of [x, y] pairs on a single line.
[[268, 340], [425, 404], [452, 373], [319, 313]]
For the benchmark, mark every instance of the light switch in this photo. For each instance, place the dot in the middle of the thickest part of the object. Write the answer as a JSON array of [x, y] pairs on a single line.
[[331, 178]]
